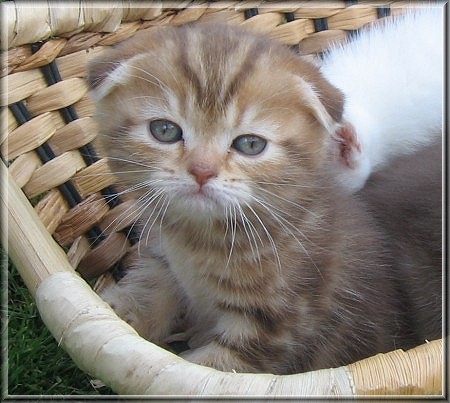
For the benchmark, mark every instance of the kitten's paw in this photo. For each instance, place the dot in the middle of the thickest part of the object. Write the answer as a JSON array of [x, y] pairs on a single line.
[[147, 300], [124, 305], [219, 357]]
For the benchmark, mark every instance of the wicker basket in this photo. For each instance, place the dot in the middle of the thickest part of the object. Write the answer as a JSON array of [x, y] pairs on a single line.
[[56, 185]]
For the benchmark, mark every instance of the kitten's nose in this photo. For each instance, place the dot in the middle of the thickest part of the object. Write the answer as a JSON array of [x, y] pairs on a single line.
[[202, 173]]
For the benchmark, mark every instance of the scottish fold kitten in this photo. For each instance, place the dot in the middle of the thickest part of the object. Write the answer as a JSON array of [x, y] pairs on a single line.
[[392, 75], [249, 250]]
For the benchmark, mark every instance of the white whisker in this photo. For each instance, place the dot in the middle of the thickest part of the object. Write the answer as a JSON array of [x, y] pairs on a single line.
[[151, 168], [159, 83], [294, 185], [147, 226], [167, 201], [233, 234], [268, 235], [288, 227], [250, 231], [288, 201]]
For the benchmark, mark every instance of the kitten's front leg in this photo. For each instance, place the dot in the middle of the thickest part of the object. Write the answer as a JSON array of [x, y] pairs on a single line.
[[148, 298], [220, 357], [227, 344]]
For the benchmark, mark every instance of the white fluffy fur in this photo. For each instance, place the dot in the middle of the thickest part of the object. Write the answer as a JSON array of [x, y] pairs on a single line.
[[392, 78]]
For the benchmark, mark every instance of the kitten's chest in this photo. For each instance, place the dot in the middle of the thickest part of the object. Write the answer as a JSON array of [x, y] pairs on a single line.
[[194, 262], [198, 273], [213, 268]]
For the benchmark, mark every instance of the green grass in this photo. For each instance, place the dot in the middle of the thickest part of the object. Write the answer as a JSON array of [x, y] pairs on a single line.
[[36, 365]]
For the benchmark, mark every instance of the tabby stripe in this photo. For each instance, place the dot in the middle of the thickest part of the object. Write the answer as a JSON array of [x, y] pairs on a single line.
[[269, 322], [247, 66], [207, 96]]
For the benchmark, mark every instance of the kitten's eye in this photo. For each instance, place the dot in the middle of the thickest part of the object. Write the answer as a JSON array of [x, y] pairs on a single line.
[[165, 131], [249, 144]]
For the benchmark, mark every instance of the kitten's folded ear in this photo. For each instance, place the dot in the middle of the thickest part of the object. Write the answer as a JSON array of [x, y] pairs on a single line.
[[112, 66], [105, 74], [324, 100], [331, 98], [327, 104]]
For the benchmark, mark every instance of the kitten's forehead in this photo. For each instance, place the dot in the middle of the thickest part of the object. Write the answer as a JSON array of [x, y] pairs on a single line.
[[212, 61], [216, 62], [205, 72]]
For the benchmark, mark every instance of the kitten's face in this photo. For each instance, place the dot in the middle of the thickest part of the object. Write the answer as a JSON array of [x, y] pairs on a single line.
[[205, 121]]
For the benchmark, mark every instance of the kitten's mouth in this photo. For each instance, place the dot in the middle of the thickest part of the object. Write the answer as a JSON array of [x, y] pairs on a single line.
[[204, 198], [203, 194], [207, 201]]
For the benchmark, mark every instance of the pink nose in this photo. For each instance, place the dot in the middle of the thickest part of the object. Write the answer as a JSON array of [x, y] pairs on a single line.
[[202, 174]]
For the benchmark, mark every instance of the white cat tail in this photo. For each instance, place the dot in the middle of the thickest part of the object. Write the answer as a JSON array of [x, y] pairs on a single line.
[[392, 77]]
